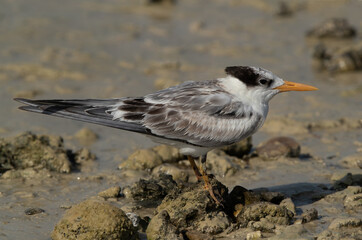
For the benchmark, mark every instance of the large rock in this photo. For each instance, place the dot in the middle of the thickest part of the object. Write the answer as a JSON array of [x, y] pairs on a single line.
[[93, 219], [189, 209], [29, 155], [34, 151]]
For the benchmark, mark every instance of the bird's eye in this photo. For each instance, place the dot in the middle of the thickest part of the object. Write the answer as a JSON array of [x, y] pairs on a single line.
[[263, 81]]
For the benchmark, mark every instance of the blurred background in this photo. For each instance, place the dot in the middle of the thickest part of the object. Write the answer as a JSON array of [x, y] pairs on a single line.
[[117, 48]]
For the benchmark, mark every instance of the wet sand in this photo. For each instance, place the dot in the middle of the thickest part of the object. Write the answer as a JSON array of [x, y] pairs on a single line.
[[92, 49]]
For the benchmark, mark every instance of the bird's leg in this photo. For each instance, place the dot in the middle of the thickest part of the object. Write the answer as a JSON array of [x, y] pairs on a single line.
[[194, 167], [206, 179]]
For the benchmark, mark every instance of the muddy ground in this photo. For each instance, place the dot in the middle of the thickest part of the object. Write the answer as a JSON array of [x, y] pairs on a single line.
[[106, 49]]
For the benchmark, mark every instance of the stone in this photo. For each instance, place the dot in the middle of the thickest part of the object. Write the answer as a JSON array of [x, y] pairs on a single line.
[[168, 154], [343, 228], [113, 192], [273, 213], [288, 203], [348, 180], [33, 211], [29, 155], [142, 159], [278, 147], [28, 150], [93, 219], [177, 173], [222, 164], [353, 202], [253, 235], [309, 215], [239, 149], [145, 159], [193, 209], [352, 161], [333, 28], [262, 225], [213, 223], [161, 228], [151, 191]]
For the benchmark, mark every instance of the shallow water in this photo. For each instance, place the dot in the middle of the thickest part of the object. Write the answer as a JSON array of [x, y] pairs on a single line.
[[93, 49]]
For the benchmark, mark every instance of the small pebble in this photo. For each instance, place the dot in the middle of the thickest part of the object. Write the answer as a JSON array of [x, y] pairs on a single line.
[[33, 211]]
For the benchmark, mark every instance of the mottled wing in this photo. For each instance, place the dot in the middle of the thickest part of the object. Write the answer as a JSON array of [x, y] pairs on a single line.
[[199, 113]]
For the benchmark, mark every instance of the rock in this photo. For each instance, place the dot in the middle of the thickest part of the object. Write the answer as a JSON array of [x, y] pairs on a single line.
[[161, 228], [151, 191], [93, 219], [28, 150], [339, 59], [272, 197], [177, 173], [143, 159], [278, 147], [333, 28], [213, 223], [26, 173], [239, 149], [33, 211], [343, 228], [28, 155], [352, 161], [353, 202], [341, 196], [193, 209], [253, 235], [273, 213], [238, 198], [348, 180], [113, 192], [86, 136], [288, 203], [309, 215], [168, 154], [83, 156], [196, 235], [345, 222], [222, 164], [295, 231], [262, 225]]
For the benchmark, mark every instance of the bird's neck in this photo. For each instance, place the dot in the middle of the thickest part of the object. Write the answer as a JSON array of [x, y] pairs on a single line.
[[247, 96]]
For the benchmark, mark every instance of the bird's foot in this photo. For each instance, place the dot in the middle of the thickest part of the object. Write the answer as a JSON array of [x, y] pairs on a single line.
[[215, 195]]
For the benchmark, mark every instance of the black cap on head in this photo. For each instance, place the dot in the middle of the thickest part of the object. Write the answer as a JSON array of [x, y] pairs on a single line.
[[245, 74]]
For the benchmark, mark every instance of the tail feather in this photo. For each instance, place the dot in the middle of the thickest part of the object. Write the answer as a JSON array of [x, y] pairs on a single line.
[[87, 110]]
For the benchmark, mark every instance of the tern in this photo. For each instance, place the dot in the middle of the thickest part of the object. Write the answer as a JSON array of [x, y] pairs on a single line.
[[195, 117]]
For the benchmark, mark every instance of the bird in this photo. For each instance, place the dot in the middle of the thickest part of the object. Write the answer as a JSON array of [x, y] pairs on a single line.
[[195, 116]]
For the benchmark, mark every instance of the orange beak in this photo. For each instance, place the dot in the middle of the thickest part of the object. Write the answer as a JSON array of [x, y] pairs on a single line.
[[292, 86]]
